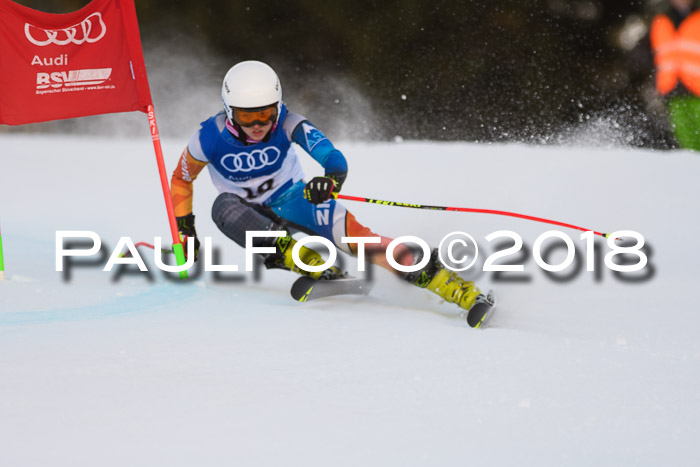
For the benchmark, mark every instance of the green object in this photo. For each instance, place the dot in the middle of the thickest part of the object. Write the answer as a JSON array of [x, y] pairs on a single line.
[[684, 112], [179, 258], [2, 261]]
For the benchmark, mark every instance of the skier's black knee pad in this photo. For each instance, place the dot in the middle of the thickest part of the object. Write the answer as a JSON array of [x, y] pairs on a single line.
[[233, 216]]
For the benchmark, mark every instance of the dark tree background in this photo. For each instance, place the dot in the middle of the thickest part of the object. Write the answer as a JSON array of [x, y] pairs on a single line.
[[486, 70]]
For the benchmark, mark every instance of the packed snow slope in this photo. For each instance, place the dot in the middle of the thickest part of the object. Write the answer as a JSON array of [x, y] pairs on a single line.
[[135, 369]]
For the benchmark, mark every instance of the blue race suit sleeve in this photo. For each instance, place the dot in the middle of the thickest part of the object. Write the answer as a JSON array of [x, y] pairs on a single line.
[[313, 141]]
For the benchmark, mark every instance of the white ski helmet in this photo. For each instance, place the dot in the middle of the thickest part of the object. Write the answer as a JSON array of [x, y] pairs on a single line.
[[251, 85]]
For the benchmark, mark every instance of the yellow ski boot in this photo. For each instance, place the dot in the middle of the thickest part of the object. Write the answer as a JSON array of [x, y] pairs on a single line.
[[453, 289], [282, 259], [445, 283]]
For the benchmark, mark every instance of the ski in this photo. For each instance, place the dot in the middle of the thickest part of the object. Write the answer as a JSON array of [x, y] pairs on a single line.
[[482, 310], [306, 288]]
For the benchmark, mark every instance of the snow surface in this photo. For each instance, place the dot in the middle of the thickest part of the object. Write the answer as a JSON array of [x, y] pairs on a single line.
[[125, 370]]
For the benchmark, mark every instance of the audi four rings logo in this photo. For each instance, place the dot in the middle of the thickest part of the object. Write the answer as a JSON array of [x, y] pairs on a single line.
[[254, 160], [89, 30]]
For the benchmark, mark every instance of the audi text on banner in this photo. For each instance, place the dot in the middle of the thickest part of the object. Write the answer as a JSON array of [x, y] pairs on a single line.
[[71, 65]]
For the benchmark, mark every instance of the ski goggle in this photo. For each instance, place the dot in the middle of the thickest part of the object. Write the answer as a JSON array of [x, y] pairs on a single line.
[[260, 116]]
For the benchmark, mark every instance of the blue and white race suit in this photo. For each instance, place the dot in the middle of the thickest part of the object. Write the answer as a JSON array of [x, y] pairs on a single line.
[[268, 172]]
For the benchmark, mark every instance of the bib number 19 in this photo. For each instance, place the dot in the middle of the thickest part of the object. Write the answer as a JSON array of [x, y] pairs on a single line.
[[261, 190]]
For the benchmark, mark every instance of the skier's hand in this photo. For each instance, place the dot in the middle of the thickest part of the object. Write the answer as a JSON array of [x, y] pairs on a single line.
[[321, 189], [185, 225]]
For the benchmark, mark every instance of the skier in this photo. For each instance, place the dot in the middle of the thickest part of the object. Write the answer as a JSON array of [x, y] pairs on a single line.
[[675, 39], [247, 148]]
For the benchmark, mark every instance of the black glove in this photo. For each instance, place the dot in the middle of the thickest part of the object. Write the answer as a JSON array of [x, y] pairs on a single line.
[[185, 225], [321, 189]]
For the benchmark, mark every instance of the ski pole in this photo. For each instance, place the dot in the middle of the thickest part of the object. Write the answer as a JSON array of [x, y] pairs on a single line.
[[482, 211]]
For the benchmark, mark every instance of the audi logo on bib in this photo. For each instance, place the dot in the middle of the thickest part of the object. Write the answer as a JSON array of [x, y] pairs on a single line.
[[249, 161], [90, 30]]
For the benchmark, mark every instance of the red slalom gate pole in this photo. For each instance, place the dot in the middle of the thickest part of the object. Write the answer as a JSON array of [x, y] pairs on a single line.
[[177, 244], [481, 211]]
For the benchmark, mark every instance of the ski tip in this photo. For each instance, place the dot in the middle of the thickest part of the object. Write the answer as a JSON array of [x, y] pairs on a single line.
[[306, 294], [307, 289], [481, 311], [302, 287]]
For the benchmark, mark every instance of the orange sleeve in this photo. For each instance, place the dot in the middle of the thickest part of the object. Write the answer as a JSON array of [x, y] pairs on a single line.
[[181, 188]]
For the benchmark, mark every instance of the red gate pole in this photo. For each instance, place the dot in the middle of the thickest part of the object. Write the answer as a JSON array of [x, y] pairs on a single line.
[[177, 243]]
